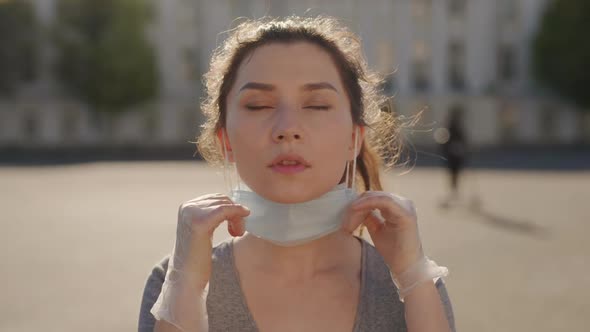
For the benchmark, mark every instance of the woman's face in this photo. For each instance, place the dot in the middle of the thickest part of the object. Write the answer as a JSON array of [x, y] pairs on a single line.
[[289, 124]]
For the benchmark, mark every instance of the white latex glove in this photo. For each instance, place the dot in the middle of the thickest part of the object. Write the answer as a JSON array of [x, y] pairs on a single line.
[[182, 299]]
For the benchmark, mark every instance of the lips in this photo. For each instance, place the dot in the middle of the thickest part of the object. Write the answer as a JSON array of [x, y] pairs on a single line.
[[289, 164]]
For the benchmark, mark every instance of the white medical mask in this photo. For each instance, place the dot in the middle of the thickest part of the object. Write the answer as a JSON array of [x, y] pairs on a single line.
[[297, 223]]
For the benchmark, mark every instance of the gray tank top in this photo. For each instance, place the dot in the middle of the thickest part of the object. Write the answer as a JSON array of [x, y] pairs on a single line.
[[379, 308]]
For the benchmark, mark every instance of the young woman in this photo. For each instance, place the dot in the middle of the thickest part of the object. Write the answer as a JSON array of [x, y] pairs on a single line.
[[292, 106]]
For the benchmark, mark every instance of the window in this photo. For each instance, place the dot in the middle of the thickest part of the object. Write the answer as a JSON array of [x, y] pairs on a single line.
[[548, 124], [457, 65], [190, 125], [71, 116], [508, 121], [421, 66], [29, 65], [30, 124], [421, 69], [151, 122], [189, 60], [457, 8], [421, 9], [506, 62], [508, 11]]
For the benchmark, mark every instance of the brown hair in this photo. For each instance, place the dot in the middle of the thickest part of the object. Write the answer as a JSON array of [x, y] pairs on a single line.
[[361, 85]]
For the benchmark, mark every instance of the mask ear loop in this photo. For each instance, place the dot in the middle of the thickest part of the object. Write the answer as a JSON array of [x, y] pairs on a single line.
[[226, 179], [227, 167], [346, 176], [356, 131]]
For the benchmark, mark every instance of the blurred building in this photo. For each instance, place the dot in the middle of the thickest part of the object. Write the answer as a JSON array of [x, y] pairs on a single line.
[[436, 54]]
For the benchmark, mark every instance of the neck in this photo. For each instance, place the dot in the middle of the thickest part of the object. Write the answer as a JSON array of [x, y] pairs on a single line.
[[332, 252]]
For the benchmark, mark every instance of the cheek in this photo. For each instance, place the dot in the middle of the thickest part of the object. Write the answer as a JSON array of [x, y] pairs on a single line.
[[241, 129], [331, 167], [333, 149], [335, 136], [246, 143]]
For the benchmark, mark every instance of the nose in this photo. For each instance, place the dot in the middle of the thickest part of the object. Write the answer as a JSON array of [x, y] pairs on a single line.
[[287, 128]]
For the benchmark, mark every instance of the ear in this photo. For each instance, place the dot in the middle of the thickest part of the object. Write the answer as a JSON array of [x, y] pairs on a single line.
[[224, 139], [360, 131]]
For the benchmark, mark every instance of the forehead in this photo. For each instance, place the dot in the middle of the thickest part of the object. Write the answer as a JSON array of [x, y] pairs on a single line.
[[288, 65]]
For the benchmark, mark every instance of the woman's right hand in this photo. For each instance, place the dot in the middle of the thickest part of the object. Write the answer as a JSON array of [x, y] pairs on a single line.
[[181, 302], [197, 220]]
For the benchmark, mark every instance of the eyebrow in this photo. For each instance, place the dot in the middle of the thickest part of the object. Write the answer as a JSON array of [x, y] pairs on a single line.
[[270, 87], [319, 86], [257, 86]]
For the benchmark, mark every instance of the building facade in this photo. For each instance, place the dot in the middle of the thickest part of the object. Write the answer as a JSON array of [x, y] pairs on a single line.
[[437, 55]]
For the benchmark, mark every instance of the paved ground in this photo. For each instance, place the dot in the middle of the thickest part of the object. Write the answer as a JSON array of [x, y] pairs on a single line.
[[78, 241]]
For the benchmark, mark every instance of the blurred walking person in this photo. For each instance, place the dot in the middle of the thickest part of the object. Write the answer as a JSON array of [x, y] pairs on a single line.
[[455, 152]]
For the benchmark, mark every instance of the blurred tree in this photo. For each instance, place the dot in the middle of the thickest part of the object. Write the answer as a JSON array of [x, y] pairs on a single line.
[[561, 50], [104, 56], [18, 44]]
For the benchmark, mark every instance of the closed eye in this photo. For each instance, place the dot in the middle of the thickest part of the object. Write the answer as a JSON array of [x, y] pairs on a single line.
[[318, 107], [256, 107]]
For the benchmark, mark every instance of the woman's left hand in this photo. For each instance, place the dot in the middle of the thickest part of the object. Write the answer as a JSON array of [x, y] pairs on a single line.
[[394, 230]]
